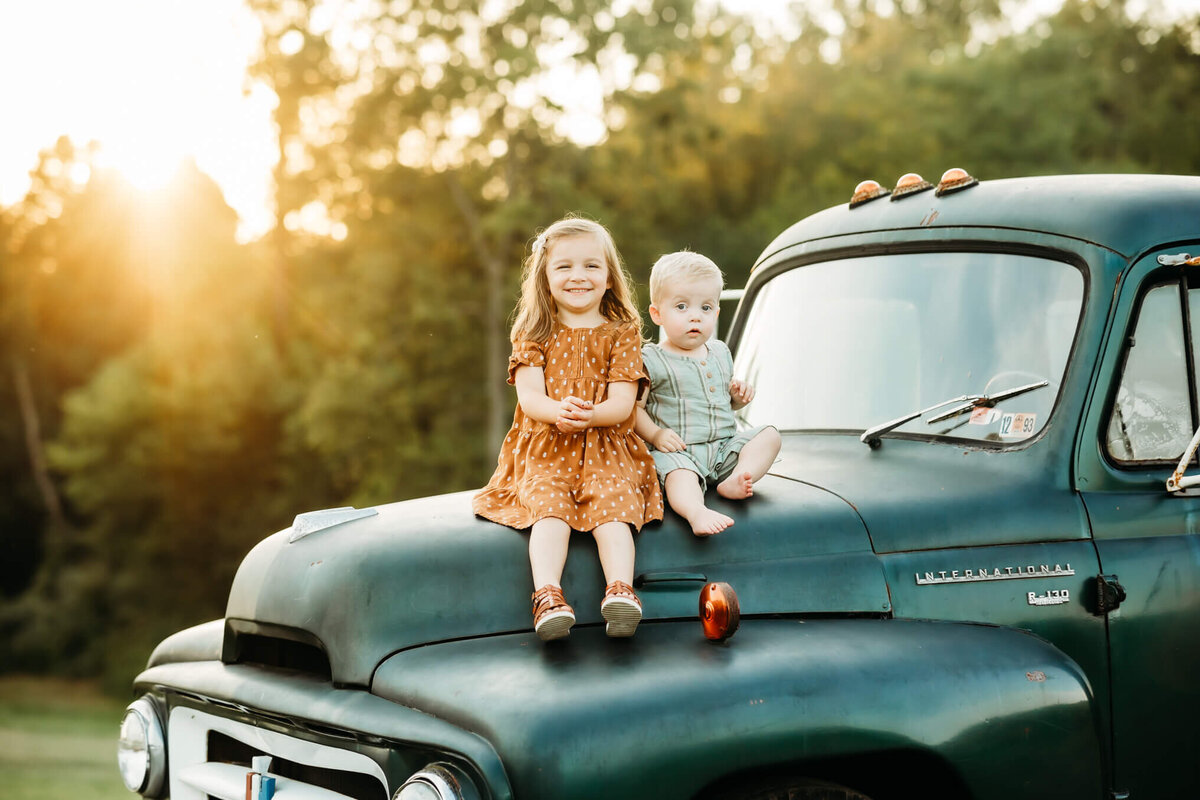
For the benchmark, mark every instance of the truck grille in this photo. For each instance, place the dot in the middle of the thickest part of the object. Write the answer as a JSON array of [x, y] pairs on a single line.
[[210, 757]]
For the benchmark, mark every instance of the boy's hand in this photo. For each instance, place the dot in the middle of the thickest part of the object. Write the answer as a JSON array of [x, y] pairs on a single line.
[[574, 415], [740, 393], [668, 441]]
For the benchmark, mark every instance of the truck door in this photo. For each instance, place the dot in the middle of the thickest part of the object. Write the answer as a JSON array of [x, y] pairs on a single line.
[[1143, 412]]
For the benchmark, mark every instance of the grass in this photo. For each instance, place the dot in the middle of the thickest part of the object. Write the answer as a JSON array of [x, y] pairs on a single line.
[[58, 739]]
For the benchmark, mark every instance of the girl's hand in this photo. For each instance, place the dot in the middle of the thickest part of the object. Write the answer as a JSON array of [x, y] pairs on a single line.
[[574, 415], [668, 441], [740, 393]]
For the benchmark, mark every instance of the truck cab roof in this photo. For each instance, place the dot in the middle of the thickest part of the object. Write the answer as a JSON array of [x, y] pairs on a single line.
[[1121, 213]]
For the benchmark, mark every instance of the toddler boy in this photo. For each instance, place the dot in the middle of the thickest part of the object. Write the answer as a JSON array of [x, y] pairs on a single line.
[[687, 416]]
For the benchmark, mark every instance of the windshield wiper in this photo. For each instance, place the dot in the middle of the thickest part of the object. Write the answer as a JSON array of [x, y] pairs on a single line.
[[967, 402]]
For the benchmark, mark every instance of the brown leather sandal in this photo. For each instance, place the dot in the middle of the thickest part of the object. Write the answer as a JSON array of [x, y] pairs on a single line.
[[621, 609], [552, 617]]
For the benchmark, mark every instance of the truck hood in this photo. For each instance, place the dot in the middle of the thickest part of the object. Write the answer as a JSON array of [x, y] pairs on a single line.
[[428, 570], [926, 495]]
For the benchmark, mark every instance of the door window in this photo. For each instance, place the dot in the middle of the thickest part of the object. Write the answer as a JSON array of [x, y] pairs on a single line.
[[1154, 411]]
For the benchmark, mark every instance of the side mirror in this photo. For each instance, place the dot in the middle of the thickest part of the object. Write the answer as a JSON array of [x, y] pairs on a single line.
[[1177, 482]]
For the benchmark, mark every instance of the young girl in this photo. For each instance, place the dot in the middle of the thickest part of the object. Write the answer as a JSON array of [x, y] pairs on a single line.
[[571, 459]]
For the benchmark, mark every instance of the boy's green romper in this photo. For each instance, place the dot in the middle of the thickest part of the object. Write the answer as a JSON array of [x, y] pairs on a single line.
[[691, 397]]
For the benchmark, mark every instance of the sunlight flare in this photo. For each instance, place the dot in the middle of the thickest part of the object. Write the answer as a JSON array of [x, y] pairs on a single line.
[[149, 166]]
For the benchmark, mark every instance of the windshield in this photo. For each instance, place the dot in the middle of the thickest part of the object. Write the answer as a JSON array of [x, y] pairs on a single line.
[[852, 344]]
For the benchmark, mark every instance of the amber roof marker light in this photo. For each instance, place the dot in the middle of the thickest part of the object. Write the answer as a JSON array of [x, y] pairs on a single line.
[[953, 180], [866, 191], [910, 183]]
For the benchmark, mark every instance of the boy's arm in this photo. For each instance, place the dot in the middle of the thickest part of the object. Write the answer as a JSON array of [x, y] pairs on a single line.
[[740, 394], [643, 426], [664, 439]]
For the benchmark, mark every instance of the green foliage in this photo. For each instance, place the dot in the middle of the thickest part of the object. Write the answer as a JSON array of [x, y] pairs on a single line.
[[390, 340], [187, 395], [169, 450]]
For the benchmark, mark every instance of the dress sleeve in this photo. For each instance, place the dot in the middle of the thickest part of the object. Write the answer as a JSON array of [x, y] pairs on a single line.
[[625, 360], [525, 353]]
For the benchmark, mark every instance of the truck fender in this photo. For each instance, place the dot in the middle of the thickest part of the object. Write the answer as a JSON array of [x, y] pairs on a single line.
[[669, 713], [197, 643]]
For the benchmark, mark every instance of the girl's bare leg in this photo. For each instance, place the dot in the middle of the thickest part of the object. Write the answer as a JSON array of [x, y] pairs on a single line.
[[548, 551], [552, 616], [756, 458], [614, 542], [684, 495], [621, 609]]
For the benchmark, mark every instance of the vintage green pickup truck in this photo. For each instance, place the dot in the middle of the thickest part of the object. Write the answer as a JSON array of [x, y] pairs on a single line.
[[974, 570]]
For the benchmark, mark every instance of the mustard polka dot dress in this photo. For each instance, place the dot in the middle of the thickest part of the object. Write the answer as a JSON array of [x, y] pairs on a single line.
[[602, 474]]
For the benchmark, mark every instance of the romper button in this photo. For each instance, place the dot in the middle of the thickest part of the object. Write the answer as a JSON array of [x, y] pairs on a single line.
[[712, 388], [710, 374]]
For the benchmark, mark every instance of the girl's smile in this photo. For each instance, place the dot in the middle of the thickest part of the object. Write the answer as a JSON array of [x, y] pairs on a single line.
[[577, 273]]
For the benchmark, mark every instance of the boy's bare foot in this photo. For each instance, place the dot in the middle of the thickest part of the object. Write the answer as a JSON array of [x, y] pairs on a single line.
[[707, 522], [737, 486]]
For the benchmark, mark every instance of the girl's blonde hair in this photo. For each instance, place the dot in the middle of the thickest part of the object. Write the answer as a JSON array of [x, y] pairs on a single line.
[[535, 315]]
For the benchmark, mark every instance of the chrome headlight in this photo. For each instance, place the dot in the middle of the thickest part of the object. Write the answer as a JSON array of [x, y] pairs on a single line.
[[438, 781], [141, 754]]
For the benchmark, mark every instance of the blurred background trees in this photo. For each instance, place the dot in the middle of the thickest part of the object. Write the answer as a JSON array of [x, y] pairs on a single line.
[[171, 396]]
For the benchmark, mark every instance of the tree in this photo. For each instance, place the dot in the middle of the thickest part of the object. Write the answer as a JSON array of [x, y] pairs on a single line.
[[176, 395], [392, 406], [455, 90], [38, 361], [169, 449]]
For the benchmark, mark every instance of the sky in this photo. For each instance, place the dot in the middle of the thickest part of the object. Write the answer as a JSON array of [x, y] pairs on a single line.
[[154, 81], [151, 80]]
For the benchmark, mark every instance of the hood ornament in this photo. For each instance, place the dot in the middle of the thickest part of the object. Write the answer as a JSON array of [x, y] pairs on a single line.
[[317, 521]]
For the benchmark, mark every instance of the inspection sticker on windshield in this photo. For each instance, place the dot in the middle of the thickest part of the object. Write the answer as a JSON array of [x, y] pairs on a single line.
[[1017, 426], [984, 415]]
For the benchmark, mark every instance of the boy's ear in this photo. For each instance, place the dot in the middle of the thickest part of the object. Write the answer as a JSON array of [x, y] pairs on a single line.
[[655, 317]]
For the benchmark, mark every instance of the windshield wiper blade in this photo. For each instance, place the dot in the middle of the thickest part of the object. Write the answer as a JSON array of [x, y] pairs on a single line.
[[968, 402], [871, 436], [987, 400]]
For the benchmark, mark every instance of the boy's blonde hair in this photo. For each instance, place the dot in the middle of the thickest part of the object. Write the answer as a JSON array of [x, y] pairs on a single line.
[[681, 265], [535, 314]]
